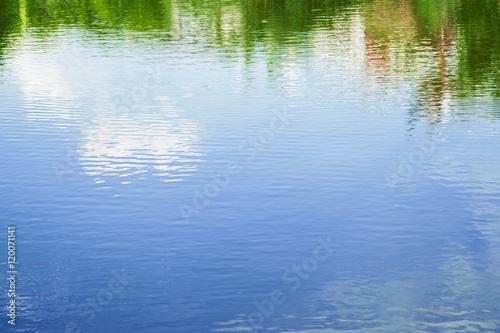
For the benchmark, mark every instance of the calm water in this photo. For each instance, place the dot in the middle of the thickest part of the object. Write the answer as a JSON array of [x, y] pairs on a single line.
[[263, 166]]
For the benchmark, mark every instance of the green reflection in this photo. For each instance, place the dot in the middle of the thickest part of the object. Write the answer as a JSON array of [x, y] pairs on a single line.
[[126, 14], [9, 20], [478, 42], [460, 38]]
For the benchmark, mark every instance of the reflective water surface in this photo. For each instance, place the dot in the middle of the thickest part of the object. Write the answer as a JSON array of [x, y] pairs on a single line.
[[263, 166]]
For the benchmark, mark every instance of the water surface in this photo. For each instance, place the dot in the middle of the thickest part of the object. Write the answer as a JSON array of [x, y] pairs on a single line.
[[271, 166]]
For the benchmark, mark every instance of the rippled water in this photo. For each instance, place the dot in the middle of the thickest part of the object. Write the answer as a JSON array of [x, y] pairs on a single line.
[[270, 166]]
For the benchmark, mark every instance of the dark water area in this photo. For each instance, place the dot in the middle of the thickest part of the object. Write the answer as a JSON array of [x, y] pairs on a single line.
[[251, 166]]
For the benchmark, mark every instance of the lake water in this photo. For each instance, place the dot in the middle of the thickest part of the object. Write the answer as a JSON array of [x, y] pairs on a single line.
[[251, 166]]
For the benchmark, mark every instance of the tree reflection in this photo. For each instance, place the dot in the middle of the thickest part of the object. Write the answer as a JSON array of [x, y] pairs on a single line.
[[8, 21], [452, 45]]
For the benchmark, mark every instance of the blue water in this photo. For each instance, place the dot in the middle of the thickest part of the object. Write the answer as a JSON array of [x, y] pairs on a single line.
[[241, 169]]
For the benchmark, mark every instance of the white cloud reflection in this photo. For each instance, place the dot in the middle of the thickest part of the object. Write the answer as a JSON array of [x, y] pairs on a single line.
[[116, 147], [70, 88]]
